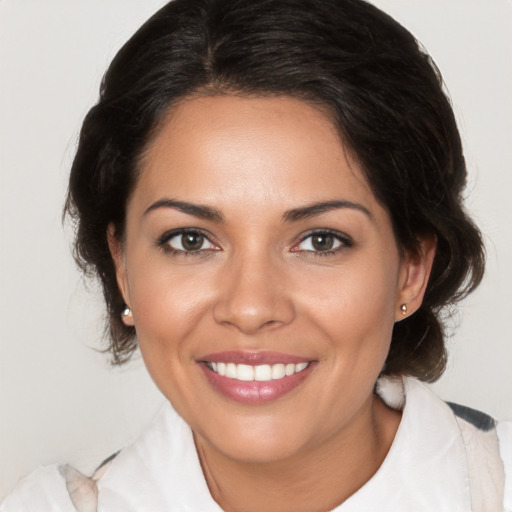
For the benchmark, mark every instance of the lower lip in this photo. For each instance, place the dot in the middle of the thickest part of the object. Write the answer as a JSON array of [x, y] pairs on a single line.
[[255, 392]]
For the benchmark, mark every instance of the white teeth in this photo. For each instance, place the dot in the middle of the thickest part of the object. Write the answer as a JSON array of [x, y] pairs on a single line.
[[260, 373], [278, 371], [290, 369], [245, 372], [231, 370], [301, 366]]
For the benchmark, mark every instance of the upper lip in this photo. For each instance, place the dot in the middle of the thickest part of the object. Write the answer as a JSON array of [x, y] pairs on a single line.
[[252, 357]]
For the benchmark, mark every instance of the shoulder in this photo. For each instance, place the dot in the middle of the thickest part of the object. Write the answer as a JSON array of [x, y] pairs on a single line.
[[56, 488], [158, 471], [478, 428], [504, 430], [488, 452], [476, 449], [43, 489]]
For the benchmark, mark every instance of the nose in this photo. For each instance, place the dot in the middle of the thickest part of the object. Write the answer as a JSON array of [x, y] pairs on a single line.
[[253, 296]]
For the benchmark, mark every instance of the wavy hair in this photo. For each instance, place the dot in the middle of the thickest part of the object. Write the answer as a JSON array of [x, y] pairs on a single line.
[[381, 89]]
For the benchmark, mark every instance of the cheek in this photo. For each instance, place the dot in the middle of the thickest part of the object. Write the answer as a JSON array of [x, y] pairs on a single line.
[[353, 305], [169, 311], [168, 303], [366, 292]]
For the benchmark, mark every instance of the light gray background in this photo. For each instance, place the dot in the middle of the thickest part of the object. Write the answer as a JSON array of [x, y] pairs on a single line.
[[59, 400]]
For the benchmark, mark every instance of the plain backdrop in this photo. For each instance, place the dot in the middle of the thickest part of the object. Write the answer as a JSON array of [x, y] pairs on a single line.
[[59, 399]]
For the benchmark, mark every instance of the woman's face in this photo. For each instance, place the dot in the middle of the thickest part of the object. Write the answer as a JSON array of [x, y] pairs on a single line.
[[263, 275]]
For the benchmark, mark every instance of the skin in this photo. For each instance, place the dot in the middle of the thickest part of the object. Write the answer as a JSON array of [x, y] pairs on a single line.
[[258, 283]]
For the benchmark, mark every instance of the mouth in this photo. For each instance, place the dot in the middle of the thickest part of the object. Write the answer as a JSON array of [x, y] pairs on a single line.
[[255, 377]]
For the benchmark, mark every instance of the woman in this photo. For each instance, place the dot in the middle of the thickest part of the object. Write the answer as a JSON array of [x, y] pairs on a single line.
[[270, 193]]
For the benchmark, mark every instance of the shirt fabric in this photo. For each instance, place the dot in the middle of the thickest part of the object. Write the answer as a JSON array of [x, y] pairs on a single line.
[[444, 458]]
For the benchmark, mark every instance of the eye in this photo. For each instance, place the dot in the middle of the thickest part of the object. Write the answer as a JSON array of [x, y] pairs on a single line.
[[186, 241], [326, 242]]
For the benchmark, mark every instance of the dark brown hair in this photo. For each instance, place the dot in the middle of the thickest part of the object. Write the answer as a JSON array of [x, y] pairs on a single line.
[[382, 90]]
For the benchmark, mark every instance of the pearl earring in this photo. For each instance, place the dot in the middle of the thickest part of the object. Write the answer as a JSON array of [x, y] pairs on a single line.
[[403, 308], [126, 312]]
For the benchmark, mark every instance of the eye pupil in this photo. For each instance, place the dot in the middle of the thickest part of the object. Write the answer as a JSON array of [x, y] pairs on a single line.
[[322, 242], [192, 241]]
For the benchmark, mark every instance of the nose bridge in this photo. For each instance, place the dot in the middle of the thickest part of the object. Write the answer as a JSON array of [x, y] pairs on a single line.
[[252, 293]]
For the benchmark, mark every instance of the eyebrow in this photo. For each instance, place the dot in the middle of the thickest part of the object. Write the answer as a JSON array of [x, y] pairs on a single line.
[[197, 210], [312, 210], [294, 215]]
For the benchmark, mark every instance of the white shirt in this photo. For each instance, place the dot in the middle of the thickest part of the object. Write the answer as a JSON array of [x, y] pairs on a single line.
[[436, 463]]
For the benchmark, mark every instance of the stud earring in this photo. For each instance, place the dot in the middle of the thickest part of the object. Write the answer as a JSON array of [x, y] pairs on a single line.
[[126, 312], [403, 308]]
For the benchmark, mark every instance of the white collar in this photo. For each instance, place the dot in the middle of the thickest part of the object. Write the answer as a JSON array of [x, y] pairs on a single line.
[[425, 469]]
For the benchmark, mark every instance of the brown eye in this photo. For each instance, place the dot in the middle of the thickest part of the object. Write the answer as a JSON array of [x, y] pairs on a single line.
[[188, 241], [322, 242], [192, 241]]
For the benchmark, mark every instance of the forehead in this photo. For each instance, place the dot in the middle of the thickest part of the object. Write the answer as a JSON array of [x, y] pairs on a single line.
[[247, 150]]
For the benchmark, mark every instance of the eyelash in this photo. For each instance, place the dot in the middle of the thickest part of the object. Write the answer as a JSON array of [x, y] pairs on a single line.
[[163, 242]]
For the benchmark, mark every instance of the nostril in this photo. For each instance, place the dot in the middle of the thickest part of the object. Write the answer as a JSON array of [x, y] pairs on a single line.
[[271, 323]]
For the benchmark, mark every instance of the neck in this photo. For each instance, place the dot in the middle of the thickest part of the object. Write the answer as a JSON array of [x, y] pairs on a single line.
[[316, 479]]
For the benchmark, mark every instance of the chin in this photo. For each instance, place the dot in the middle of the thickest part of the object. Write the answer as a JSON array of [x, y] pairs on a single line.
[[253, 441], [258, 451]]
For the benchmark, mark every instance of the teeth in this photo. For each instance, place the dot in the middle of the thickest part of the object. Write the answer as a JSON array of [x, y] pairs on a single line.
[[278, 371], [290, 369], [263, 373], [244, 372], [301, 366], [260, 373], [231, 370]]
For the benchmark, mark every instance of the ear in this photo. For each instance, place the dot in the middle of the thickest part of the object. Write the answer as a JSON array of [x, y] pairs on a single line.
[[413, 278], [117, 253]]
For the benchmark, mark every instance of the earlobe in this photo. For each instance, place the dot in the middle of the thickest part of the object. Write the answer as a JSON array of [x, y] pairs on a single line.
[[414, 274], [117, 253]]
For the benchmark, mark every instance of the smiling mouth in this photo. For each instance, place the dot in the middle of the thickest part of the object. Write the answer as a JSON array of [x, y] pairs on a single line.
[[258, 373], [255, 377]]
